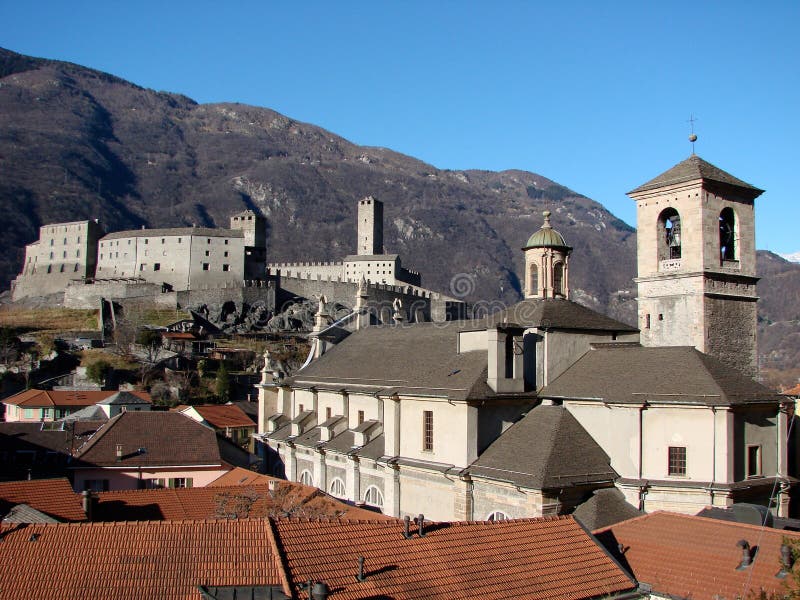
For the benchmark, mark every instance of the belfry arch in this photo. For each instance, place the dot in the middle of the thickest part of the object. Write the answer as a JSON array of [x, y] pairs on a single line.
[[669, 234]]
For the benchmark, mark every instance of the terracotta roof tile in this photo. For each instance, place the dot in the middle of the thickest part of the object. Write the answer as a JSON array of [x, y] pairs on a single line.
[[53, 497], [39, 398], [224, 415], [134, 560], [696, 557], [536, 558], [219, 502]]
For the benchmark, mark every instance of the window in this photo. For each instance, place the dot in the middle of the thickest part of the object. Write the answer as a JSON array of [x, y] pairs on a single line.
[[360, 417], [225, 254], [497, 515], [49, 268], [156, 266], [327, 413], [558, 279], [64, 254], [96, 485], [179, 240], [337, 488], [163, 240], [753, 461], [28, 413], [208, 253], [52, 256], [427, 431], [306, 478], [52, 242], [669, 239], [65, 241], [180, 482], [226, 267], [373, 497], [208, 241], [61, 269], [141, 267], [533, 280], [146, 241], [727, 234], [77, 253], [226, 242], [205, 266], [647, 321], [677, 460]]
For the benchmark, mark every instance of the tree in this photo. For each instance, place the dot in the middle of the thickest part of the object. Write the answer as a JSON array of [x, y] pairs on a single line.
[[98, 371], [223, 383]]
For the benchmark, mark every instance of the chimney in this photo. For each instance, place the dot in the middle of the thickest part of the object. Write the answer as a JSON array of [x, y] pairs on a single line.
[[407, 527], [119, 452], [361, 576], [320, 591], [421, 525], [747, 557], [787, 561], [87, 500]]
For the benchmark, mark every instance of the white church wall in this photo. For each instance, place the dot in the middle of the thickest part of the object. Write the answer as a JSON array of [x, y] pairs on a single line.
[[368, 404], [605, 424], [455, 431], [682, 427], [429, 493]]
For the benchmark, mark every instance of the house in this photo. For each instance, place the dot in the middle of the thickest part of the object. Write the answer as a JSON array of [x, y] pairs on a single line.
[[479, 419], [51, 405], [136, 450], [226, 419], [682, 556], [548, 558]]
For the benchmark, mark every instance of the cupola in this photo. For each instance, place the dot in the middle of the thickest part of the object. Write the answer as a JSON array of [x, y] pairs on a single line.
[[546, 263]]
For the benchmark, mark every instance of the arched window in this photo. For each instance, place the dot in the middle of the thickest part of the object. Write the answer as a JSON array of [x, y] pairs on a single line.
[[497, 515], [558, 279], [306, 478], [533, 281], [373, 496], [669, 239], [337, 488], [727, 234]]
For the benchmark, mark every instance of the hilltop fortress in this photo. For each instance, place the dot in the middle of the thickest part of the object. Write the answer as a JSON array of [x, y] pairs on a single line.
[[192, 266]]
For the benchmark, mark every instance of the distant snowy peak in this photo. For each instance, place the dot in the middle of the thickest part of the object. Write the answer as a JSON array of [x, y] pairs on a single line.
[[793, 257]]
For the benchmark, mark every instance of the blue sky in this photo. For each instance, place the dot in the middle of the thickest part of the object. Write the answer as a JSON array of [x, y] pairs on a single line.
[[594, 95]]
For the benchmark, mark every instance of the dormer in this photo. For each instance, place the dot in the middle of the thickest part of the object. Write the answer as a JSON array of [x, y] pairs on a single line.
[[506, 358], [367, 431], [332, 427], [303, 422]]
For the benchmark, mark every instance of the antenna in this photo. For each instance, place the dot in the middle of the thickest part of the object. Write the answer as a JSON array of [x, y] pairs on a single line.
[[692, 136]]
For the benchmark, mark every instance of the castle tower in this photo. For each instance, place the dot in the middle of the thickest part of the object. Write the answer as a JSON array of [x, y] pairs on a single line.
[[370, 227], [697, 262], [254, 227], [547, 263]]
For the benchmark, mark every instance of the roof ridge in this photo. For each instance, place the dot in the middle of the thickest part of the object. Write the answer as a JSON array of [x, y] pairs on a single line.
[[98, 435], [280, 558]]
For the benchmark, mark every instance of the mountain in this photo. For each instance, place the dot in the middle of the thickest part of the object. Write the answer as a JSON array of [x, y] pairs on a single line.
[[76, 143], [793, 257]]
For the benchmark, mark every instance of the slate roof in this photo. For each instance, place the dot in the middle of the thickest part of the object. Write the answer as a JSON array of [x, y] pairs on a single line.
[[678, 374], [604, 507], [418, 358], [22, 513], [694, 168], [255, 501], [546, 449], [544, 558], [224, 415], [53, 497], [174, 231], [130, 561], [46, 398], [127, 398], [554, 313], [159, 433], [682, 556]]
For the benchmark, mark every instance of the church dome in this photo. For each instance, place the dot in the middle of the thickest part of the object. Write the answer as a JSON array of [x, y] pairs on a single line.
[[546, 237]]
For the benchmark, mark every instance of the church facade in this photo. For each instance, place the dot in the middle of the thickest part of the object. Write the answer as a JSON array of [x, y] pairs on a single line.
[[534, 409]]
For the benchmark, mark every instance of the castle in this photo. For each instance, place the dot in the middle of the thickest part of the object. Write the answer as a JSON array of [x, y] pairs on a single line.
[[175, 259], [547, 406]]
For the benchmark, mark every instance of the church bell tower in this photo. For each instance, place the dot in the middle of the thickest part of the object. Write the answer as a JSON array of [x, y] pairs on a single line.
[[697, 262], [547, 263]]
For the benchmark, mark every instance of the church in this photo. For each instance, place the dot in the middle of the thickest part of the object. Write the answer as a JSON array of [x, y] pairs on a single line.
[[547, 406]]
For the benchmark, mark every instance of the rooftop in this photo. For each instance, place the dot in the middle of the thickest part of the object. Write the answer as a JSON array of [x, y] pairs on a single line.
[[553, 313], [694, 557], [54, 497], [34, 398], [694, 168], [671, 375], [547, 448], [221, 416], [175, 231]]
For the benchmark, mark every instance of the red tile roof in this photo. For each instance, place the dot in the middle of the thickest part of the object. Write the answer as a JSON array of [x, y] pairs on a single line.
[[224, 415], [50, 496], [240, 476], [44, 398], [696, 557], [167, 559], [245, 501], [169, 439], [551, 557]]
